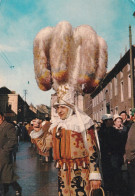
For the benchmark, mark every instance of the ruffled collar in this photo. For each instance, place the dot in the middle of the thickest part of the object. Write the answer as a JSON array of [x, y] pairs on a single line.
[[34, 134], [77, 122]]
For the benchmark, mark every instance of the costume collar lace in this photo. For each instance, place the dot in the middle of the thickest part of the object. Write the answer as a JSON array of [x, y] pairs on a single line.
[[34, 134]]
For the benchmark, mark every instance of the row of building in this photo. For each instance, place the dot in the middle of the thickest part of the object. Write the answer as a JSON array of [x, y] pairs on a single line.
[[112, 95], [17, 109]]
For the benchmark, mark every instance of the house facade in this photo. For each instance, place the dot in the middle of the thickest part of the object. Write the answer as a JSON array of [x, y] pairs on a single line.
[[113, 95], [14, 107]]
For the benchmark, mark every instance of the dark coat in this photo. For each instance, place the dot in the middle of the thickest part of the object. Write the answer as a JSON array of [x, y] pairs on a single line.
[[130, 145], [8, 140]]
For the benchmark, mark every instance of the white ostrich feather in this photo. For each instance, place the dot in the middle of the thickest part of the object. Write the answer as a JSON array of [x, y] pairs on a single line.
[[102, 59], [63, 55], [41, 54]]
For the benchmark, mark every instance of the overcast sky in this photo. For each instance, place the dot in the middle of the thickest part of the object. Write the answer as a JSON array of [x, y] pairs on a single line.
[[20, 21]]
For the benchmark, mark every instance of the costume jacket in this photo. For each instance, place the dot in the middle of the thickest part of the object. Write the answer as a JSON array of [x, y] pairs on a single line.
[[75, 154]]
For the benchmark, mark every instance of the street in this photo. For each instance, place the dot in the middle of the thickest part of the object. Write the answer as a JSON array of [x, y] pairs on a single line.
[[35, 178]]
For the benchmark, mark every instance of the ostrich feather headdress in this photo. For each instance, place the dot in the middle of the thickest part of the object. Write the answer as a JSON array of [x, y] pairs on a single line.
[[65, 55]]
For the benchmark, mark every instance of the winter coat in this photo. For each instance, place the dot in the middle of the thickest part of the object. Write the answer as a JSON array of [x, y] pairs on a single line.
[[8, 140], [130, 145]]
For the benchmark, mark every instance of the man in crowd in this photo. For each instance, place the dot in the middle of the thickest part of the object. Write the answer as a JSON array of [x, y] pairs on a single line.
[[104, 138], [130, 159], [126, 121], [8, 140]]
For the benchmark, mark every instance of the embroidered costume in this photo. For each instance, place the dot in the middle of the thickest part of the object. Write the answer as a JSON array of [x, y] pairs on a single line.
[[72, 61]]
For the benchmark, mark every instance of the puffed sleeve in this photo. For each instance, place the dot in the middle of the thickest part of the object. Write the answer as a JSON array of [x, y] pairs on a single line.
[[43, 141]]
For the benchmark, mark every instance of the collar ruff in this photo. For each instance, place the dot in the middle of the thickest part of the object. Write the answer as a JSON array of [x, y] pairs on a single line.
[[34, 134], [74, 123]]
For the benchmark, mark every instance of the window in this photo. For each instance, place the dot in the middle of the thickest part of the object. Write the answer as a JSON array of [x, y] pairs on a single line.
[[97, 99], [129, 86], [128, 67], [115, 86], [110, 90], [102, 96], [108, 108], [121, 74], [93, 102], [121, 88], [97, 116], [116, 110]]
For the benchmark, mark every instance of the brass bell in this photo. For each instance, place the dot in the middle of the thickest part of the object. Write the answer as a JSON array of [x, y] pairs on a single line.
[[84, 165], [75, 166], [58, 134], [57, 165], [65, 168]]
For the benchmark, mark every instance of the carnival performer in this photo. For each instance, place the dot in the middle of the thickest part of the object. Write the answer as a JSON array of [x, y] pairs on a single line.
[[74, 147], [72, 61]]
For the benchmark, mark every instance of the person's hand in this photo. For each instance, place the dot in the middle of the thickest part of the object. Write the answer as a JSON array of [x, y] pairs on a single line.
[[95, 184], [37, 124]]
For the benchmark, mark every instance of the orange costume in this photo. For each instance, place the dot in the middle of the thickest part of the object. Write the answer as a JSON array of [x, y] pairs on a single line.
[[72, 61], [75, 153]]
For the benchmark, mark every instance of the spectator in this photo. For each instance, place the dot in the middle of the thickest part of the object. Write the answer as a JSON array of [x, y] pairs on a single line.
[[126, 120], [117, 150], [8, 140], [130, 159], [104, 139]]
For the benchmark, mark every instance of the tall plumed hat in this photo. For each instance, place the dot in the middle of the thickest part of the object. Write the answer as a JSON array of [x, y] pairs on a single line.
[[66, 55]]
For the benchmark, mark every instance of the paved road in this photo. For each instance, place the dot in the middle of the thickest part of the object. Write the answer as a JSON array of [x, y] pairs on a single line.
[[35, 178]]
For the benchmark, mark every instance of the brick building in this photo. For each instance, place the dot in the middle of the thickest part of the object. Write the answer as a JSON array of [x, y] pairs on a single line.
[[14, 107], [114, 92]]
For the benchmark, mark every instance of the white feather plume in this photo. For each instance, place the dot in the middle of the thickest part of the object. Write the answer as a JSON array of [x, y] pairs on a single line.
[[63, 55]]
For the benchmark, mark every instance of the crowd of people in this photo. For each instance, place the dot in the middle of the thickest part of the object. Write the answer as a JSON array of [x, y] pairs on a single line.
[[97, 155], [114, 134]]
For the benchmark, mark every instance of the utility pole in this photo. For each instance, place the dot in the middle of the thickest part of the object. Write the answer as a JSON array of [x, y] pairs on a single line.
[[25, 93], [131, 69]]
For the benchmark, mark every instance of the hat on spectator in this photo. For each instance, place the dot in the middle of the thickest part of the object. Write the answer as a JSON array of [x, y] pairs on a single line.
[[116, 116], [107, 116], [123, 112]]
